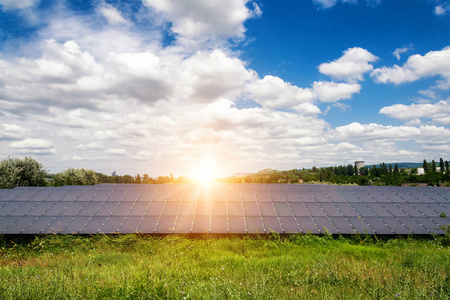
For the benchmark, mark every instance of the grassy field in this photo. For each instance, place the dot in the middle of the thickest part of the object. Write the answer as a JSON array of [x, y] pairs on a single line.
[[178, 267]]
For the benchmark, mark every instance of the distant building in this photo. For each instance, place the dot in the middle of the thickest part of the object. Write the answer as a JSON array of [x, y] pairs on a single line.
[[420, 171], [359, 164]]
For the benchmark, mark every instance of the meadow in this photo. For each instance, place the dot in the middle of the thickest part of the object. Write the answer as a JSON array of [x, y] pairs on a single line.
[[228, 267]]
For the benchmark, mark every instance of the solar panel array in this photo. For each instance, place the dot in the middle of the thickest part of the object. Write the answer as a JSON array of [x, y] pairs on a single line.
[[223, 208]]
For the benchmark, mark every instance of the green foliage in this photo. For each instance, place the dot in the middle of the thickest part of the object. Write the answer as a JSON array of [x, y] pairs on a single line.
[[75, 177], [21, 172], [300, 266]]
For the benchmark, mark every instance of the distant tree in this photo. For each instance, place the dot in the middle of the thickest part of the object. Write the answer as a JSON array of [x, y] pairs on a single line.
[[390, 168], [396, 169], [425, 166], [433, 166], [75, 177], [145, 178], [446, 167], [137, 179], [171, 176], [21, 172], [441, 165]]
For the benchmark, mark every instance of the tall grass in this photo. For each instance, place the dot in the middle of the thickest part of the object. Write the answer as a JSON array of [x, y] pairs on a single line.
[[178, 267]]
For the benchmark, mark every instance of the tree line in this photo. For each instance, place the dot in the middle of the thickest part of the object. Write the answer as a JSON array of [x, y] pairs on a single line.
[[29, 172]]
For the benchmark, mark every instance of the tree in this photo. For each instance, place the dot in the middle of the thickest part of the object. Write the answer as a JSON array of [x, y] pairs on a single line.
[[390, 168], [425, 166], [433, 166], [75, 177], [446, 167], [396, 169], [137, 179], [21, 172], [441, 165]]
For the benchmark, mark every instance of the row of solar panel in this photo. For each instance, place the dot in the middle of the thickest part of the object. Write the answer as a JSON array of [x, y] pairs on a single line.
[[222, 208], [202, 224], [229, 193]]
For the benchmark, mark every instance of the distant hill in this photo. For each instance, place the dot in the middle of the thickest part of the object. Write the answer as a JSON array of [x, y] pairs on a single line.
[[268, 171]]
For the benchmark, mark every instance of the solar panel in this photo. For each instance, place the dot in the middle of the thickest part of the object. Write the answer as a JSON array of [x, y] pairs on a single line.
[[223, 208], [272, 224], [254, 225], [183, 224], [342, 225], [236, 224], [314, 209], [289, 224], [201, 224]]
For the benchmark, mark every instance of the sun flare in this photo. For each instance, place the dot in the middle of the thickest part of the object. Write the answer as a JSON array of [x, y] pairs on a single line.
[[205, 173]]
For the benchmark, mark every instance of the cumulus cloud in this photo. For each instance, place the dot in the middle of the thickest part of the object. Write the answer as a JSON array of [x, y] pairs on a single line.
[[273, 92], [204, 19], [351, 66], [416, 67], [440, 10], [111, 14], [11, 132], [33, 146], [331, 91], [116, 151], [438, 112], [399, 51], [330, 3], [14, 4]]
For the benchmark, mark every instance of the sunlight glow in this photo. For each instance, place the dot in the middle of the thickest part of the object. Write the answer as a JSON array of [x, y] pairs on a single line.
[[205, 174]]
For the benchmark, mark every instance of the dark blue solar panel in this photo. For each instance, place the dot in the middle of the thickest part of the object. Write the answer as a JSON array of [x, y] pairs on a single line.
[[299, 209], [130, 224], [251, 209], [342, 225], [254, 225], [362, 209], [236, 224], [220, 209], [166, 224], [183, 224], [314, 209], [324, 224], [307, 225], [289, 224], [201, 224], [272, 224]]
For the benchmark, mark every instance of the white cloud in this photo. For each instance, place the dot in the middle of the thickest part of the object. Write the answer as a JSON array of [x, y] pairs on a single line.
[[111, 14], [351, 66], [331, 91], [143, 155], [330, 3], [361, 132], [208, 75], [90, 146], [116, 151], [205, 19], [439, 10], [17, 4], [273, 92], [438, 112], [397, 52], [34, 146], [11, 132], [416, 67]]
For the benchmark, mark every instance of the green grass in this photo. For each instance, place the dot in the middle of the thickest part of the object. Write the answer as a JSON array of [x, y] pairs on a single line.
[[178, 267]]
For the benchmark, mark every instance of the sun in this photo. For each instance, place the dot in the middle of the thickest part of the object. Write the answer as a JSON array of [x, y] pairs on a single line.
[[204, 175]]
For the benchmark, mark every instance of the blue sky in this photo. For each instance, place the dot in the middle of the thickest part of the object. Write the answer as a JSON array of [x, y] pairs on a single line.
[[152, 86]]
